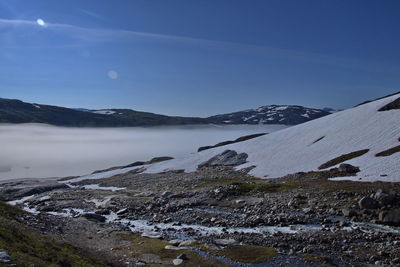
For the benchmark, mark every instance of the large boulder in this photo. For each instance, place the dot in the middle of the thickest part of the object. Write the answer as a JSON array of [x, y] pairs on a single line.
[[391, 217], [384, 197], [348, 168], [226, 158], [368, 203]]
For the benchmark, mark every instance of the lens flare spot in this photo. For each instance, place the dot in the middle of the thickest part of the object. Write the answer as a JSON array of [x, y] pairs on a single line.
[[112, 74], [41, 22]]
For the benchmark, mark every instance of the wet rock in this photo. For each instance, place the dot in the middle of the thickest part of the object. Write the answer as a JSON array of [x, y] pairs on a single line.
[[348, 168], [391, 217], [4, 256], [368, 203], [94, 217], [226, 158]]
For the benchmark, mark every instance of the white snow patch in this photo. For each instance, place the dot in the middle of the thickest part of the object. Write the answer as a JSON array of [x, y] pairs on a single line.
[[36, 106], [103, 111], [107, 188]]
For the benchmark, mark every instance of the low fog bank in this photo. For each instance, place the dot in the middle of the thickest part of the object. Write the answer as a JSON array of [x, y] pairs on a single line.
[[37, 150]]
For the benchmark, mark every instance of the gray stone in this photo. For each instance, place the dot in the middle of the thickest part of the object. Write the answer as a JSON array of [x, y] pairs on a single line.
[[226, 158]]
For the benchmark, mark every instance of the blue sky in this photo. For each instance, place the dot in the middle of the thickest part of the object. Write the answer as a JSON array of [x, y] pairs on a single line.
[[198, 58]]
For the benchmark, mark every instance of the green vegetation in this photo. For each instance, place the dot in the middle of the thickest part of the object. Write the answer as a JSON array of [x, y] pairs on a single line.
[[343, 158], [324, 261], [243, 253], [261, 187], [388, 152], [29, 248], [248, 254], [140, 246]]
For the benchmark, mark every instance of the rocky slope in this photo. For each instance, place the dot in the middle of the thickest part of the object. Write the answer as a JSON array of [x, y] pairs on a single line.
[[16, 111]]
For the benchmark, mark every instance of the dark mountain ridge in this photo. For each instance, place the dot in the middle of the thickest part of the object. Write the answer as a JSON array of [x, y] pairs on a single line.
[[17, 111]]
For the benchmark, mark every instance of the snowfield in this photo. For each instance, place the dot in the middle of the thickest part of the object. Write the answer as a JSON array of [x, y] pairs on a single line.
[[295, 149]]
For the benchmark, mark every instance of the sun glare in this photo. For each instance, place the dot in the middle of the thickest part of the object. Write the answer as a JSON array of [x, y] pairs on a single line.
[[41, 22], [112, 74]]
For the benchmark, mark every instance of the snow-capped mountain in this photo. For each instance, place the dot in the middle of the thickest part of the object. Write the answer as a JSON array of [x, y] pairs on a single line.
[[366, 136], [273, 114]]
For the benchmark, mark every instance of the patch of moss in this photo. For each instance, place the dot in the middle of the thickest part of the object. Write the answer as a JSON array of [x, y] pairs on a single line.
[[243, 253], [249, 254], [141, 246], [310, 257], [388, 152], [29, 248], [343, 158]]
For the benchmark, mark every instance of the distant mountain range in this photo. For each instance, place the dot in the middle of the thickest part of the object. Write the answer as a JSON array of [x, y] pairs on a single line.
[[16, 111]]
